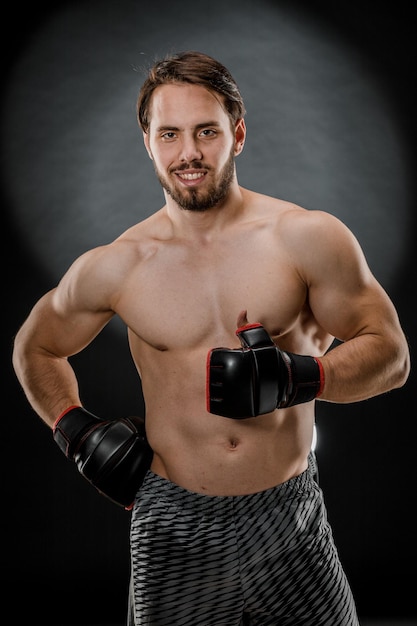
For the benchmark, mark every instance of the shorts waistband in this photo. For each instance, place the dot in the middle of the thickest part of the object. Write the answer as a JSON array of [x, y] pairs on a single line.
[[162, 488]]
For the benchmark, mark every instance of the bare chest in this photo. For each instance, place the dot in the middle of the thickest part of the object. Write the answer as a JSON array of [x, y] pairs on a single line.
[[194, 298]]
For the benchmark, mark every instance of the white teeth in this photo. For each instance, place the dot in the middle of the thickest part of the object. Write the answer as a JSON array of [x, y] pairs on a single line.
[[191, 176]]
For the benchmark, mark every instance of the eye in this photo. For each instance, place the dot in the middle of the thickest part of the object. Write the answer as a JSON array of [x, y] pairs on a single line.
[[168, 136], [208, 132]]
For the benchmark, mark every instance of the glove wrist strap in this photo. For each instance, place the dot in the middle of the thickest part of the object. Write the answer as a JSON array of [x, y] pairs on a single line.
[[70, 427], [305, 379]]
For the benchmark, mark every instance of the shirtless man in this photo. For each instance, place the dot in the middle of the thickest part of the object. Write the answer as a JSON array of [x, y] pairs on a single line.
[[220, 290]]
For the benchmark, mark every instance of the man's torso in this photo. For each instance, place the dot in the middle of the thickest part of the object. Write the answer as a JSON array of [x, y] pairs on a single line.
[[183, 298]]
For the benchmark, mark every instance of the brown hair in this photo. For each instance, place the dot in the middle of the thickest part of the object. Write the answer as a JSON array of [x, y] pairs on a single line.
[[194, 68]]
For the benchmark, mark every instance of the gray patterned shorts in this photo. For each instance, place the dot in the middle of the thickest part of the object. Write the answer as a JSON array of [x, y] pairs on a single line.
[[265, 559]]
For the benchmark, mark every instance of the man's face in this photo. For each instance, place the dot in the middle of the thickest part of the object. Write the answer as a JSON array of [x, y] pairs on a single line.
[[192, 145]]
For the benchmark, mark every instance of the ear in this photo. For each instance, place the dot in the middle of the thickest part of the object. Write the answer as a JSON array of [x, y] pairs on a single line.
[[146, 142], [240, 135]]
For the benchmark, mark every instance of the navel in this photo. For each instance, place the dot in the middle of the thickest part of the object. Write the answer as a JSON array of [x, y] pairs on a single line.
[[233, 443]]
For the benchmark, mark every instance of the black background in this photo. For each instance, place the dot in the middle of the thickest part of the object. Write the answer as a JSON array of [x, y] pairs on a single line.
[[66, 548]]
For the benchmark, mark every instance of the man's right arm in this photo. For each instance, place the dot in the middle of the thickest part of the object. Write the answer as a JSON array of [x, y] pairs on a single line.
[[113, 455], [41, 350], [61, 324]]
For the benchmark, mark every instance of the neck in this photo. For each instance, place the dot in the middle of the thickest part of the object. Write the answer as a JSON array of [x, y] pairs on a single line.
[[206, 222]]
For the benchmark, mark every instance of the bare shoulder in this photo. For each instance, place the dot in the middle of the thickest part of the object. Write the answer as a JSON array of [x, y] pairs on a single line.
[[297, 221], [318, 245], [301, 226], [134, 244], [302, 221], [97, 277]]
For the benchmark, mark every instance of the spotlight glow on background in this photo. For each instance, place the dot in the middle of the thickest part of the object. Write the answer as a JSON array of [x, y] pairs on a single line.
[[320, 133]]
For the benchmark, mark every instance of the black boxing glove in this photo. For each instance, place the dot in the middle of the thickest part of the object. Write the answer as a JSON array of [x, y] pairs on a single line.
[[113, 455], [259, 377]]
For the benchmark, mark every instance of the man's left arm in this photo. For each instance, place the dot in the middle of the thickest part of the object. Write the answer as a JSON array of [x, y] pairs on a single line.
[[349, 303]]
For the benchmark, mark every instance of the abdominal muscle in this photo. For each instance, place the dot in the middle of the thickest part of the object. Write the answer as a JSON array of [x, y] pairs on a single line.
[[216, 455], [202, 452]]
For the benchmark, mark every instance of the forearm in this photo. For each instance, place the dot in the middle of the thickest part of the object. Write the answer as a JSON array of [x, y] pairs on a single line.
[[49, 383], [364, 367], [113, 455], [259, 377]]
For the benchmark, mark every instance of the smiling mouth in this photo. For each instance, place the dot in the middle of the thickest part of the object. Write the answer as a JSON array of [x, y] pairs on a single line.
[[194, 176]]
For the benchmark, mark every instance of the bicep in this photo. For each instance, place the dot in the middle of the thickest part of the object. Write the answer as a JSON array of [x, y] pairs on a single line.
[[344, 296], [346, 313], [62, 322]]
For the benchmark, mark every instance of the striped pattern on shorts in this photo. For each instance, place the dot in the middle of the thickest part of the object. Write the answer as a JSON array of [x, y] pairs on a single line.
[[265, 559]]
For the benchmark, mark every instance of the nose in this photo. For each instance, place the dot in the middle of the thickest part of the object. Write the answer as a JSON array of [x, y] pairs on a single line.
[[190, 151]]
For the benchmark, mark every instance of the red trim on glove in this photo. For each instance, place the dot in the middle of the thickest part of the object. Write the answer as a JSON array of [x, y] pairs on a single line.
[[247, 326], [74, 406], [322, 379]]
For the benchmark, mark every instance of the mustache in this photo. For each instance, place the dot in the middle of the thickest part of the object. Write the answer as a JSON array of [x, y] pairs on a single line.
[[196, 165]]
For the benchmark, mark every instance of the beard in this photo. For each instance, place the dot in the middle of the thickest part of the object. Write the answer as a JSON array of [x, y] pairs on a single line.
[[191, 199]]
